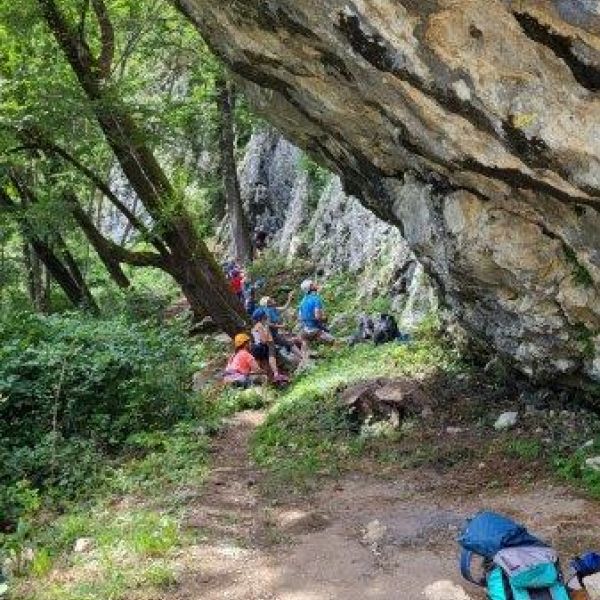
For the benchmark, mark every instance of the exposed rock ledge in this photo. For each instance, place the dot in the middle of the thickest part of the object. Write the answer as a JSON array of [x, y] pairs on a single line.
[[473, 125]]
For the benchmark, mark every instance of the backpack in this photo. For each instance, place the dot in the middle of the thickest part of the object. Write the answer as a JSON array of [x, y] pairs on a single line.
[[364, 331], [517, 565], [385, 329]]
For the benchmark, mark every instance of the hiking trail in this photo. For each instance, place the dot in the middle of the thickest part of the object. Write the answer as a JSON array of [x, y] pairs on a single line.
[[362, 537]]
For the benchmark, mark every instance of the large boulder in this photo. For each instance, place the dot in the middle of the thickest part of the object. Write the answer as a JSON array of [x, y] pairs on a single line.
[[474, 126]]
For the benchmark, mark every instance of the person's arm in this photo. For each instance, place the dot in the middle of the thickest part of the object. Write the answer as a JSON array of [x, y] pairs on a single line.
[[320, 311], [288, 302], [254, 367]]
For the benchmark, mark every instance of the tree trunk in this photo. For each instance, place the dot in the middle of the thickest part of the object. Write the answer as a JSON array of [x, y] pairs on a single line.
[[99, 243], [73, 268], [75, 289], [35, 276], [73, 286], [190, 262], [238, 222]]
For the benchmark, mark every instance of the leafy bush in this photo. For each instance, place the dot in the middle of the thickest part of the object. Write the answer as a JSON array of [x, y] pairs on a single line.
[[73, 388]]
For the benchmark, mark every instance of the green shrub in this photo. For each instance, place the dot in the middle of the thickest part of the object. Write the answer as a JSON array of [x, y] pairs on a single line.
[[74, 388]]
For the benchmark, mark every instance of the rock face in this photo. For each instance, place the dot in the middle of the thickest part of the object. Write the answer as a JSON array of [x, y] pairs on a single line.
[[323, 223], [473, 126], [269, 179]]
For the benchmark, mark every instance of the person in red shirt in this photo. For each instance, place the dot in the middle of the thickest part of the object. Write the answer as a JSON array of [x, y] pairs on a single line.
[[236, 281], [242, 368]]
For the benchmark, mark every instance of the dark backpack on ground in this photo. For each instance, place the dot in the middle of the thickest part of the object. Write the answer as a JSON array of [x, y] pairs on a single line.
[[516, 564], [385, 330], [365, 330]]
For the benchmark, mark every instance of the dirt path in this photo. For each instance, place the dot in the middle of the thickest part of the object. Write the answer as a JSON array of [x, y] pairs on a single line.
[[360, 538]]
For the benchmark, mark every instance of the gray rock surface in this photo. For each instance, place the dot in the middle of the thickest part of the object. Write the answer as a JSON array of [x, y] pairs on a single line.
[[268, 178], [445, 590], [506, 421], [83, 544], [339, 236], [473, 126], [593, 463]]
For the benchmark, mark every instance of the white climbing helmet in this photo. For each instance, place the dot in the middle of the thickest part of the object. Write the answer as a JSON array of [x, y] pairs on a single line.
[[307, 285]]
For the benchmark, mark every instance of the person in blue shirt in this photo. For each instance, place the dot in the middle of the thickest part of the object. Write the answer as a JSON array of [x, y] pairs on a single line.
[[311, 314], [282, 338]]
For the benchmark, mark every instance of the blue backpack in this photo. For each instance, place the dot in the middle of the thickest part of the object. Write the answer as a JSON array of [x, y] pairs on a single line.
[[516, 564]]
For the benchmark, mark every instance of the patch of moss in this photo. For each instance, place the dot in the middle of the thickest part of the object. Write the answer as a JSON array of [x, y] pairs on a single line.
[[580, 274], [318, 179]]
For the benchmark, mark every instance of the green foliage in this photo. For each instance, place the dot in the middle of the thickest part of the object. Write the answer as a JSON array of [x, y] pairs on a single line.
[[163, 76], [160, 576], [318, 179], [571, 466], [162, 458], [580, 273], [527, 449], [132, 549], [151, 292], [585, 337], [74, 389]]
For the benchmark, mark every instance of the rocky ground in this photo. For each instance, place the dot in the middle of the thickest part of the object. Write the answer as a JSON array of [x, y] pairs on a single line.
[[363, 536]]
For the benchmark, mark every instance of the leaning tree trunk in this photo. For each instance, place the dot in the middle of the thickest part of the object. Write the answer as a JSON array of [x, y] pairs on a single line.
[[104, 249], [71, 283], [240, 230], [67, 276], [472, 125], [190, 262]]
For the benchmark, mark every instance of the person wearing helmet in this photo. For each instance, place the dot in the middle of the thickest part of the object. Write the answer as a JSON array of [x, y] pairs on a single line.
[[311, 314], [242, 369], [263, 346], [282, 339], [236, 281]]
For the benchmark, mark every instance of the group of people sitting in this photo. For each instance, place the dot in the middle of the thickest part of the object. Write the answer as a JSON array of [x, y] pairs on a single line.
[[257, 356]]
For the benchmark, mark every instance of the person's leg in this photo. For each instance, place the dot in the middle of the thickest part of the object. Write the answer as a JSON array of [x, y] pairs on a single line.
[[273, 361], [297, 351], [304, 345], [326, 337], [255, 379], [291, 344]]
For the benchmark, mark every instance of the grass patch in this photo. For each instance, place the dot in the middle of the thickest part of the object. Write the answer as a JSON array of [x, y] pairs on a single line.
[[309, 432], [572, 468], [133, 516], [526, 449]]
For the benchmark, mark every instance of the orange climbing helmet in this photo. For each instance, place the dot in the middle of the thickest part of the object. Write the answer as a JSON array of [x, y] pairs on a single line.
[[240, 339]]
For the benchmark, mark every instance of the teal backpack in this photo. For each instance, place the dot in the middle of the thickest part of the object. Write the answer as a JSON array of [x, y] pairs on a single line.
[[516, 565]]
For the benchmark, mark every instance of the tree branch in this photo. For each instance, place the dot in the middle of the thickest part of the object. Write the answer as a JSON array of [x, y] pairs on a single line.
[[111, 253], [77, 50], [107, 38], [83, 16], [68, 277], [35, 141]]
